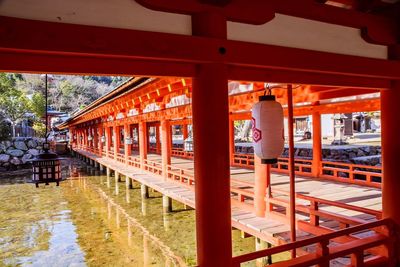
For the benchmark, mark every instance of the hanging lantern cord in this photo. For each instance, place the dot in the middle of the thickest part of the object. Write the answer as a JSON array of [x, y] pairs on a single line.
[[267, 88], [45, 108]]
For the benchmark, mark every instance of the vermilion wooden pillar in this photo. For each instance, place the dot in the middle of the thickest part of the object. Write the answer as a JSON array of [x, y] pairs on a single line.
[[185, 131], [231, 140], [317, 143], [142, 142], [127, 148], [96, 138], [390, 121], [292, 175], [165, 146], [261, 182], [100, 139], [116, 141], [158, 139], [211, 151], [84, 139]]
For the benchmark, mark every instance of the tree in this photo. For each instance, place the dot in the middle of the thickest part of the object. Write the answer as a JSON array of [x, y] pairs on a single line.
[[13, 103], [38, 103]]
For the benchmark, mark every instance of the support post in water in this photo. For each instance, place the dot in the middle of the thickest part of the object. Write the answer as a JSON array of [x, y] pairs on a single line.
[[167, 204], [261, 245], [144, 191], [117, 179], [128, 182], [108, 177]]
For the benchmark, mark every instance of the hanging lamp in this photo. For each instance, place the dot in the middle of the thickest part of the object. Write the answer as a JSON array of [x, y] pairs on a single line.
[[267, 127], [46, 167]]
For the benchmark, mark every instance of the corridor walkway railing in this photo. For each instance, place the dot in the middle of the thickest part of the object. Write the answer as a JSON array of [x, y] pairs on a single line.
[[379, 242], [337, 171]]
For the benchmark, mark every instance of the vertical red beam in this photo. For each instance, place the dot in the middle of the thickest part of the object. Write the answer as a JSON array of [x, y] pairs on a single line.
[[317, 143], [292, 204], [231, 140], [108, 140], [185, 131], [261, 183], [211, 150], [100, 141], [158, 139], [390, 121], [127, 148], [142, 142], [116, 141], [165, 146], [96, 138]]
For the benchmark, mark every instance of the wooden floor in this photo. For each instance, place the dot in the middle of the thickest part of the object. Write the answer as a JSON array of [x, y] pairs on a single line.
[[270, 230], [356, 195]]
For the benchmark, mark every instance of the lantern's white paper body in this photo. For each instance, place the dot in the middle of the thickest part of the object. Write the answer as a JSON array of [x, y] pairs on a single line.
[[268, 137]]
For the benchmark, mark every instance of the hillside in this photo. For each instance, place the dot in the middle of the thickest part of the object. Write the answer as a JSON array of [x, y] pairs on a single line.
[[67, 92]]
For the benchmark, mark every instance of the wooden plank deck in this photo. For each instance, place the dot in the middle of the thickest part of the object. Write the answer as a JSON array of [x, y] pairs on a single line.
[[268, 229]]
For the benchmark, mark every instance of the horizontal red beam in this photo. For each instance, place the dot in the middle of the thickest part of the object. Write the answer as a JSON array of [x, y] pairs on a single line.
[[22, 61], [45, 38]]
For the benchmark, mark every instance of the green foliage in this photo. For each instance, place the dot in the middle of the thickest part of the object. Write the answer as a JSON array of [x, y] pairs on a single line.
[[38, 103], [40, 129], [21, 94], [14, 103]]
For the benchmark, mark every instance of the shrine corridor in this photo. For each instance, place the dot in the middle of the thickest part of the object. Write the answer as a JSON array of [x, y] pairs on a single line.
[[322, 206]]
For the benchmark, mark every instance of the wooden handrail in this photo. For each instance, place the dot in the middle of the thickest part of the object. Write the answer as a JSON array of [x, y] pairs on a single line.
[[322, 239]]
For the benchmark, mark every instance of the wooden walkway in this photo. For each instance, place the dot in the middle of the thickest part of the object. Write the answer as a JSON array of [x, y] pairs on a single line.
[[270, 229]]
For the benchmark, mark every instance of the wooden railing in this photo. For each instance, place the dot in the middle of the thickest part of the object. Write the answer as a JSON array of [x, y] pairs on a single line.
[[120, 157], [134, 161], [302, 166], [314, 211], [152, 166], [243, 160], [337, 171], [352, 173], [181, 176], [380, 239], [179, 152]]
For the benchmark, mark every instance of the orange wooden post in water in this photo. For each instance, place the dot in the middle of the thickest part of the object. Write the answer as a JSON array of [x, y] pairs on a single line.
[[317, 143], [165, 146], [211, 134], [127, 147], [390, 119], [142, 142]]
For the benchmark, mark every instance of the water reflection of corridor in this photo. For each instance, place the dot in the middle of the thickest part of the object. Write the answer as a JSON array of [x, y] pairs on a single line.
[[121, 223], [141, 228]]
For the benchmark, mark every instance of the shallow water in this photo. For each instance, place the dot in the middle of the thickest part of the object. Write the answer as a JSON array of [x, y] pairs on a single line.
[[84, 223]]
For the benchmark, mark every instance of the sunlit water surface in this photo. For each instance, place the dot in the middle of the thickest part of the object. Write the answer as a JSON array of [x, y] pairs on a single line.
[[84, 223]]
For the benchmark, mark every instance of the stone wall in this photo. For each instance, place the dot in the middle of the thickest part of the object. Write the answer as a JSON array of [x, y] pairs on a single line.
[[16, 153]]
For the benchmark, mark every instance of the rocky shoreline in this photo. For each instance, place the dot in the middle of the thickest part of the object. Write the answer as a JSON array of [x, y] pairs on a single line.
[[15, 154]]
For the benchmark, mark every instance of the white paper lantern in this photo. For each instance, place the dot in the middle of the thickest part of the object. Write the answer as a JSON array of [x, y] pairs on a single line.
[[267, 126]]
